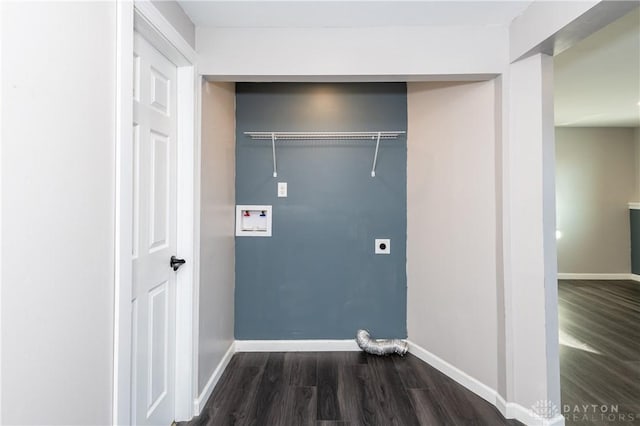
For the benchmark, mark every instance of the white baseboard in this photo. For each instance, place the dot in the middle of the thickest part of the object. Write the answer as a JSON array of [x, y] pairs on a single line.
[[528, 417], [474, 385], [558, 420], [296, 345], [509, 410], [569, 276], [201, 400], [629, 277]]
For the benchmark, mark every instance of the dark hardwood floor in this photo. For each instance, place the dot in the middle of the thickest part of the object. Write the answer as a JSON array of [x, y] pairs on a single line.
[[341, 388], [600, 352], [599, 369]]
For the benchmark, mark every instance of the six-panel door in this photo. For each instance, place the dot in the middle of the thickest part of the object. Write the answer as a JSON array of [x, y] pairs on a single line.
[[154, 236]]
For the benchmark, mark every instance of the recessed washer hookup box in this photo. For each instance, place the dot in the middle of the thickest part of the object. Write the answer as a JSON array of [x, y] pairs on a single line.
[[253, 221]]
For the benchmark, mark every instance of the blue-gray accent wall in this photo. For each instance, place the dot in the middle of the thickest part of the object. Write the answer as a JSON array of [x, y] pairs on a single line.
[[634, 217], [317, 277]]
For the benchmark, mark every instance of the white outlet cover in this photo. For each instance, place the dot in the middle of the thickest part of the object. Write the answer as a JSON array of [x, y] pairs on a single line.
[[383, 242], [282, 189]]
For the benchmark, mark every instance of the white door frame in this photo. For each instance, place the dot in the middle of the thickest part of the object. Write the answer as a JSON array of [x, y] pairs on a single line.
[[144, 18]]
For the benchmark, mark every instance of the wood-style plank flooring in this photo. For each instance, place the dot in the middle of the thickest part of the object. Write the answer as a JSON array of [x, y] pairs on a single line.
[[600, 352], [599, 369], [340, 388]]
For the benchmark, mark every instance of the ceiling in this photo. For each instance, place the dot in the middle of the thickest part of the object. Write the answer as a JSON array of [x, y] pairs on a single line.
[[314, 14], [597, 81]]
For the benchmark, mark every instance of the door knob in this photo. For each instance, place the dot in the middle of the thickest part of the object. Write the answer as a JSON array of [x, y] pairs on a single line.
[[176, 263]]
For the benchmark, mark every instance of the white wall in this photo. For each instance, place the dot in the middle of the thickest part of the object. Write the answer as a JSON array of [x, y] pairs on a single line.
[[217, 219], [173, 12], [451, 229], [386, 53], [596, 178], [58, 89]]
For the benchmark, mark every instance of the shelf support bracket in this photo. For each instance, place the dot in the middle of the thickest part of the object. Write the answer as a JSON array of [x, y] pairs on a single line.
[[375, 157], [273, 150]]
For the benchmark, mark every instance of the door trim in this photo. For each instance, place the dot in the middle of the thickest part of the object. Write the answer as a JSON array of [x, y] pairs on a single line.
[[144, 18]]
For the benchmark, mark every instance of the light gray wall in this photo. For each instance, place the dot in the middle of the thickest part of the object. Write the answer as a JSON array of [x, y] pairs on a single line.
[[171, 10], [451, 228], [58, 132], [216, 227], [595, 179]]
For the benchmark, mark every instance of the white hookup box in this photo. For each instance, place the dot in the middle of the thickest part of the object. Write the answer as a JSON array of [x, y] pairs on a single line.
[[253, 221]]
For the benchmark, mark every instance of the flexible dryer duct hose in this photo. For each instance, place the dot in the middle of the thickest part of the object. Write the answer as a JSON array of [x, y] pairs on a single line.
[[380, 347]]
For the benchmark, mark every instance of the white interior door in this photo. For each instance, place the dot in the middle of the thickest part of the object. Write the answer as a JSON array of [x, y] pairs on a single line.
[[154, 236]]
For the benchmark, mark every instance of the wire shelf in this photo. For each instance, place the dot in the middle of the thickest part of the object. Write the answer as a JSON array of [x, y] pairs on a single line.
[[298, 136]]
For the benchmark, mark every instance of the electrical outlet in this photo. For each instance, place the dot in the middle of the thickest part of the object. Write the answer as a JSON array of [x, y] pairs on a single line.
[[282, 189], [383, 246]]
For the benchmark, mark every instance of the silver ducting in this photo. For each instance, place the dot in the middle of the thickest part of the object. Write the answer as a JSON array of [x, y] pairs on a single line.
[[380, 347]]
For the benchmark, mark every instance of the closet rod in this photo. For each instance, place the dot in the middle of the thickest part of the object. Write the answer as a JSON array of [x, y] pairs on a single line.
[[387, 134]]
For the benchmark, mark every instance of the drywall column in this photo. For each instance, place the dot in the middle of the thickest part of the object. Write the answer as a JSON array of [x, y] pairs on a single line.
[[58, 150], [502, 231], [217, 240], [532, 320]]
